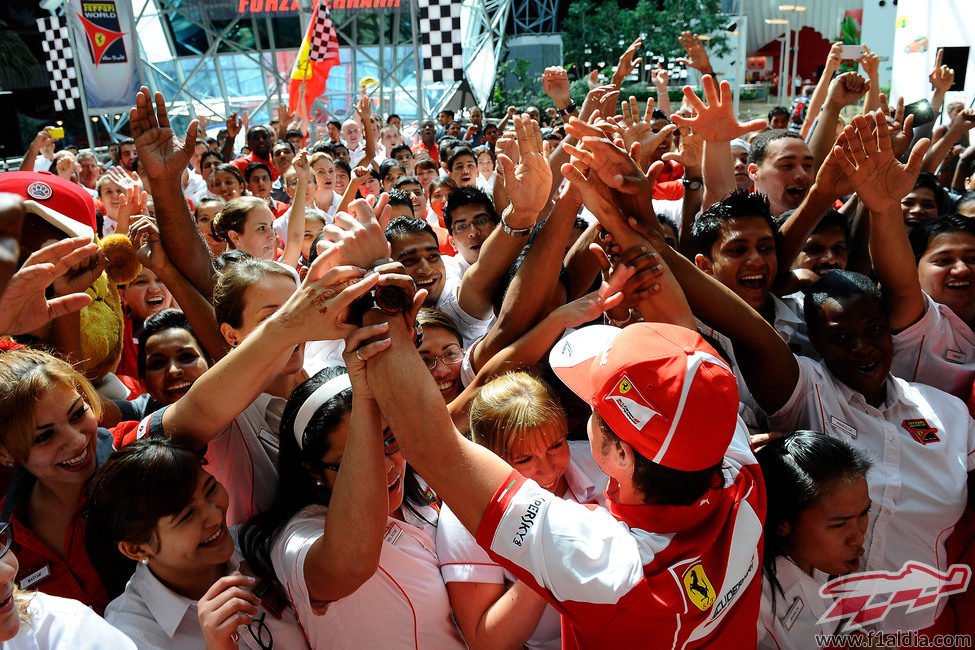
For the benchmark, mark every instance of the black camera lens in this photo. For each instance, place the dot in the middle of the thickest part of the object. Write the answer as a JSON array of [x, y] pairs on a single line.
[[391, 300]]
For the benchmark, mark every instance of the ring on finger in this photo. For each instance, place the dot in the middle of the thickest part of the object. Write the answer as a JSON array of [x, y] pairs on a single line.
[[358, 356]]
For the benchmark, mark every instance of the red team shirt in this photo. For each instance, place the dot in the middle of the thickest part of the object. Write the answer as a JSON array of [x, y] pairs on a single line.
[[626, 576]]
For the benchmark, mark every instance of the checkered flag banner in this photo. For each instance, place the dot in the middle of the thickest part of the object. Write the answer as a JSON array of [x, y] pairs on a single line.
[[440, 40], [60, 63], [324, 40]]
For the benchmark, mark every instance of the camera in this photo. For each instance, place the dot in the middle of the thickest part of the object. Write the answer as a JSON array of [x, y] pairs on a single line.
[[389, 299]]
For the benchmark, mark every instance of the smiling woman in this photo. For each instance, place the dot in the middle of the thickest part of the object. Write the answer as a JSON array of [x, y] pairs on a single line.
[[51, 414]]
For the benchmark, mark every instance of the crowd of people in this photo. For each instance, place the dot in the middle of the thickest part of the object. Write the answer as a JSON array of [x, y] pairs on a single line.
[[596, 377]]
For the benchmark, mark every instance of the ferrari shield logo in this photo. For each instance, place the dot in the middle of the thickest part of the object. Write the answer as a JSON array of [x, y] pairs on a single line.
[[624, 386], [698, 587]]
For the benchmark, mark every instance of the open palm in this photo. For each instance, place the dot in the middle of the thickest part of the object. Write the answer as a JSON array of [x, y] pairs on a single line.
[[715, 121], [864, 154], [161, 152]]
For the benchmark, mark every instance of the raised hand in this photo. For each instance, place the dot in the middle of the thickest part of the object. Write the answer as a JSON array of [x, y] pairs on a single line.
[[847, 89], [528, 183], [590, 306], [641, 131], [660, 78], [697, 56], [627, 64], [592, 79], [132, 201], [122, 177], [161, 152], [227, 605], [901, 128], [555, 83], [942, 76], [79, 275], [870, 63], [602, 100], [864, 154], [300, 163], [233, 126], [363, 109], [144, 235], [715, 121], [351, 240], [691, 154], [835, 57], [23, 304]]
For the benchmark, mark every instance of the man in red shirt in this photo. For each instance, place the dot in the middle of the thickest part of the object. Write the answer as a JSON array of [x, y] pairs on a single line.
[[428, 144], [259, 142]]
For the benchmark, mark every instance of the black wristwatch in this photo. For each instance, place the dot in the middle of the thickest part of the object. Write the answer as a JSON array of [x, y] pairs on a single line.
[[568, 110], [693, 184]]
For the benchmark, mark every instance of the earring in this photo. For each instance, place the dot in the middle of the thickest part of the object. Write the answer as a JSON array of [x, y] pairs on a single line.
[[145, 560], [320, 483]]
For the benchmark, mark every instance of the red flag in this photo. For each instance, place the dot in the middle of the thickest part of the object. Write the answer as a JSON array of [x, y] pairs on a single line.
[[319, 52]]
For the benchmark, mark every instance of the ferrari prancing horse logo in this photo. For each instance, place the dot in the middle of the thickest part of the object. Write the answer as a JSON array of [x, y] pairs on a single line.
[[698, 587]]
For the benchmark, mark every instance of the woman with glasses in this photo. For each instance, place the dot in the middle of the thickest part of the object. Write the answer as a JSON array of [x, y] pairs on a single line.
[[350, 536], [518, 418], [155, 510], [442, 351], [37, 621]]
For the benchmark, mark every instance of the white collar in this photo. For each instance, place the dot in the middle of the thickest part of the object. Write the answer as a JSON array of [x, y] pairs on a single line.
[[580, 485], [166, 606]]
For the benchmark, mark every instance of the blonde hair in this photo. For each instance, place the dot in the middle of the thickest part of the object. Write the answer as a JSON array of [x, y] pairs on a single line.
[[319, 155], [25, 375], [512, 408]]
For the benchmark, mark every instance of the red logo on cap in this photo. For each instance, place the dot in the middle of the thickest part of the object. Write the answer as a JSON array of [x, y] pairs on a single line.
[[39, 191]]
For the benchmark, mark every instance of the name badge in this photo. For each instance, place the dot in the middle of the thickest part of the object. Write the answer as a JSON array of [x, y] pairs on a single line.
[[37, 576], [393, 533], [955, 356], [842, 426], [793, 613], [268, 439]]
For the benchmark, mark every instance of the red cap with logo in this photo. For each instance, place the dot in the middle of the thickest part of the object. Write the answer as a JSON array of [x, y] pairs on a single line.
[[661, 388], [65, 205]]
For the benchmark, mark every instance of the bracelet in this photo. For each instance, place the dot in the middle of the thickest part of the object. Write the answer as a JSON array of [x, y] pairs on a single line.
[[619, 323], [514, 232], [568, 110]]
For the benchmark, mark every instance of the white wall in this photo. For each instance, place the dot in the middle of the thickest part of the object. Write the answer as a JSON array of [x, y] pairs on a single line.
[[945, 23], [877, 33]]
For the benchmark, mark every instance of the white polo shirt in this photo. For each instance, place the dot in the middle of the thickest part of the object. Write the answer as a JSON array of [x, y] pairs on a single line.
[[922, 443], [470, 328], [792, 328], [158, 618], [938, 350], [64, 624], [403, 605], [243, 457], [462, 560], [793, 625]]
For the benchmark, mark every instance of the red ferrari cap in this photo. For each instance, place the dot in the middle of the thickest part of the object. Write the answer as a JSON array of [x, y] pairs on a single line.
[[661, 388], [65, 205]]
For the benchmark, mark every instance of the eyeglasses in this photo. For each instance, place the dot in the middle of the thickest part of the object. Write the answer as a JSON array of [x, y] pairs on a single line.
[[449, 358], [479, 223], [262, 636], [390, 447], [6, 537]]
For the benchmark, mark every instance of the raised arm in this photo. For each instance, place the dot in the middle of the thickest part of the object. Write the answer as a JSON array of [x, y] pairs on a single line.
[[529, 183], [627, 64], [144, 234], [364, 110], [233, 130], [42, 139], [845, 89], [871, 67], [347, 553], [963, 123], [864, 155], [661, 81], [697, 56], [716, 124], [315, 312], [819, 94], [164, 158], [296, 220], [769, 367]]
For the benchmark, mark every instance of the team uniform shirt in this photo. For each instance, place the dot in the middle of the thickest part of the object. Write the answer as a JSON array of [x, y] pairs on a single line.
[[922, 442], [241, 164], [794, 623], [157, 618], [470, 328], [43, 569], [621, 576], [938, 350], [791, 327], [462, 560], [243, 457], [64, 624], [403, 605], [432, 152]]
